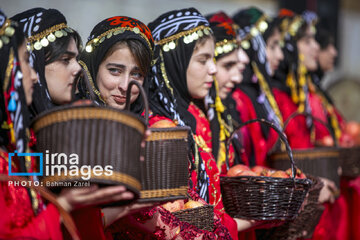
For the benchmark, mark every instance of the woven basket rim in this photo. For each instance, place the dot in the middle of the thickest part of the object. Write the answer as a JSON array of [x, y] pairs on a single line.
[[168, 133], [304, 181], [193, 209], [335, 151], [56, 110], [171, 129]]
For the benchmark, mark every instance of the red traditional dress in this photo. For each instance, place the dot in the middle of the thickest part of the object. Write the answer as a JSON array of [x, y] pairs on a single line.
[[132, 227], [17, 215], [255, 138], [203, 140], [297, 132], [341, 219]]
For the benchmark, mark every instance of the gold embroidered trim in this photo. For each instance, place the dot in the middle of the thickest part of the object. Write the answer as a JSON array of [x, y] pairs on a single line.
[[269, 95], [46, 32], [201, 143], [260, 26], [8, 70], [225, 46], [97, 92], [207, 30], [111, 32], [164, 75], [329, 108]]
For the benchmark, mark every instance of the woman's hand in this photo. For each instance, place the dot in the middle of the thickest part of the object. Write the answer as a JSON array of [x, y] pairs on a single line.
[[328, 192], [243, 224], [111, 214], [73, 198]]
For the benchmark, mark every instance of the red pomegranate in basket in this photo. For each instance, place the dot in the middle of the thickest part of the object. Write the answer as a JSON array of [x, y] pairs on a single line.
[[163, 124], [247, 173], [353, 129], [326, 141], [174, 206], [299, 173], [279, 174], [192, 204], [260, 170], [237, 169]]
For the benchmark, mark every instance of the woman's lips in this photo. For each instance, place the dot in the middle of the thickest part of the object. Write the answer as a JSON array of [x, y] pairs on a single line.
[[209, 84], [119, 99]]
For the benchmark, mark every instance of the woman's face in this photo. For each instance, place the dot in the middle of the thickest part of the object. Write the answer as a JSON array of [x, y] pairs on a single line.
[[201, 69], [29, 74], [60, 74], [274, 54], [115, 73], [229, 72], [309, 48], [327, 57]]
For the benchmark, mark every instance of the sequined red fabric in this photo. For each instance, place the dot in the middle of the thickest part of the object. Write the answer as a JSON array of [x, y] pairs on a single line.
[[167, 226]]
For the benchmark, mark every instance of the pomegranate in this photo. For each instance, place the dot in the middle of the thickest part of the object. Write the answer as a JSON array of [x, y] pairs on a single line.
[[279, 174], [237, 169], [174, 206], [247, 173], [299, 173], [260, 171], [192, 204], [163, 124], [326, 141]]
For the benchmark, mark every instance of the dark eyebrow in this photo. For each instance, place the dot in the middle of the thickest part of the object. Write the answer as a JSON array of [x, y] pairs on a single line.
[[206, 55], [115, 65], [71, 54], [229, 62]]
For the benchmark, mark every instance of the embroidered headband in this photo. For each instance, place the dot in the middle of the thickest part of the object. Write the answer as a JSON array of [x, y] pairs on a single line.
[[118, 25], [6, 31], [187, 24]]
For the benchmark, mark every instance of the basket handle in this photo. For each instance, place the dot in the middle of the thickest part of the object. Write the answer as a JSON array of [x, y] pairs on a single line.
[[296, 114], [281, 136], [143, 95], [49, 196]]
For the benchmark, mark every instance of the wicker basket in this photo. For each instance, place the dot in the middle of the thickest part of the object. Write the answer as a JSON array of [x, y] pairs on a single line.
[[201, 217], [264, 198], [164, 173], [350, 162], [320, 161], [304, 225], [100, 136]]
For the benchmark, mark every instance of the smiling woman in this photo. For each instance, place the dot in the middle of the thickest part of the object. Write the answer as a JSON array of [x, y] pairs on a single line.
[[118, 68], [115, 55]]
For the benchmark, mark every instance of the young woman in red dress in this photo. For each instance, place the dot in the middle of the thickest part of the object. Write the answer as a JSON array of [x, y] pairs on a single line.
[[184, 72], [110, 65], [293, 79], [349, 186], [54, 49]]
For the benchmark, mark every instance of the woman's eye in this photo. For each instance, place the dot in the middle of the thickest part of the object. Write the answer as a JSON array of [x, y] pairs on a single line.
[[202, 61], [137, 75], [66, 60], [114, 70]]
